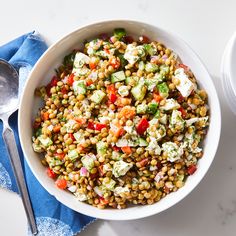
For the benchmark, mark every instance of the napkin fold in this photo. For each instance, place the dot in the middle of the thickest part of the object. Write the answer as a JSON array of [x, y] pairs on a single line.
[[52, 217]]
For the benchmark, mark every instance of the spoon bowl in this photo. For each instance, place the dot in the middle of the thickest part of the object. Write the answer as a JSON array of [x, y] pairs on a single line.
[[9, 84], [8, 88]]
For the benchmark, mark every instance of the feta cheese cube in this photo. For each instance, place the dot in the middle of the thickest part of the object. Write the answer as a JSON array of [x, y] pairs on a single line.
[[120, 168], [186, 86], [170, 104]]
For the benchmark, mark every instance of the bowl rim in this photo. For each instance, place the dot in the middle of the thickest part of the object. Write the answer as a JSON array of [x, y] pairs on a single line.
[[109, 213]]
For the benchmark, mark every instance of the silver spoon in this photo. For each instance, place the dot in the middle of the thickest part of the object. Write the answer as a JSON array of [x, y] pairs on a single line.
[[9, 83]]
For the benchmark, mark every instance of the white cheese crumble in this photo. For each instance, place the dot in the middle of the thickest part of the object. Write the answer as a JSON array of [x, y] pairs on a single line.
[[174, 152], [119, 191], [186, 86], [170, 104], [133, 53], [120, 168], [153, 146]]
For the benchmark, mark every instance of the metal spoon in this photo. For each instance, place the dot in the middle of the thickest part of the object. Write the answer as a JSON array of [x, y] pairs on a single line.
[[9, 83]]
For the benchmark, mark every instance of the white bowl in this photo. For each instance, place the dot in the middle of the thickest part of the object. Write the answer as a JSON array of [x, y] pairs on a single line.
[[42, 73]]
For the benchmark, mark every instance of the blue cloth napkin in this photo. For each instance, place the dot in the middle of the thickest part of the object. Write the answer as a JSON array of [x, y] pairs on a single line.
[[52, 217]]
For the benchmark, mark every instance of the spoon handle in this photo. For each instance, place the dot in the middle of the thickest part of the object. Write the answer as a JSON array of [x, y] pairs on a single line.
[[8, 137]]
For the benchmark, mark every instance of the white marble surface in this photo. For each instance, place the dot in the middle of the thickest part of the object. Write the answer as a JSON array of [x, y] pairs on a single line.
[[206, 25]]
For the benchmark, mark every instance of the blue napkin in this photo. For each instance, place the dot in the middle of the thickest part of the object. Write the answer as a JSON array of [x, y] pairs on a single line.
[[52, 217]]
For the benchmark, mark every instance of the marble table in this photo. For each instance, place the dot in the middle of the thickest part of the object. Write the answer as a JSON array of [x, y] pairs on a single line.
[[206, 26]]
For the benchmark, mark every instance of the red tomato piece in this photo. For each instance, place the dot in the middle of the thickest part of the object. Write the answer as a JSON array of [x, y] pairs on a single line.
[[191, 169], [99, 127], [61, 183], [103, 201], [90, 125], [115, 148], [54, 81], [142, 126], [184, 67], [128, 39], [89, 82], [64, 90], [144, 39], [126, 150], [51, 173], [183, 112], [72, 136], [70, 79], [111, 89], [59, 155], [114, 62], [100, 170], [113, 97]]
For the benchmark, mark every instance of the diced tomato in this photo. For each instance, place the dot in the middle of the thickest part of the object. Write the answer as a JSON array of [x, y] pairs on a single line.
[[142, 126], [157, 97], [183, 112], [72, 136], [111, 89], [80, 121], [56, 128], [115, 148], [51, 173], [100, 170], [116, 130], [90, 125], [59, 155], [114, 62], [64, 90], [127, 112], [93, 62], [103, 201], [70, 79], [180, 99], [61, 183], [128, 39], [191, 169], [144, 39], [45, 116], [89, 82], [186, 68], [99, 127], [112, 97], [93, 176], [54, 81], [166, 189], [126, 150], [143, 162]]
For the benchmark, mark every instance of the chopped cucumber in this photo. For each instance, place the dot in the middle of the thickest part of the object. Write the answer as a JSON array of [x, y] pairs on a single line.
[[101, 148], [73, 154], [151, 67], [37, 148], [79, 87], [163, 89], [151, 83], [157, 115], [164, 70], [91, 87], [119, 33], [152, 108], [141, 109], [142, 142], [38, 132], [159, 77], [128, 79], [150, 49], [46, 142], [118, 76], [97, 96], [141, 65], [88, 161], [139, 91]]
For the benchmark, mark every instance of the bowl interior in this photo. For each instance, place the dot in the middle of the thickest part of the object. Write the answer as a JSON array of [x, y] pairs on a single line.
[[42, 73]]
